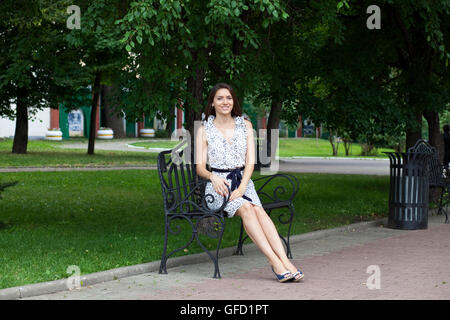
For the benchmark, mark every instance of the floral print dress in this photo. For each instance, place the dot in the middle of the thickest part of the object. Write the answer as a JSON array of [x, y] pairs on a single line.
[[223, 154]]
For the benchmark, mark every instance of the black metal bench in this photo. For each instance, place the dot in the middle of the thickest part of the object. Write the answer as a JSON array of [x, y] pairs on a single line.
[[437, 175], [184, 198]]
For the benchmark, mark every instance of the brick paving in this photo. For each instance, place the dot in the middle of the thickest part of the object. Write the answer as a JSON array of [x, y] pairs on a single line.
[[412, 264]]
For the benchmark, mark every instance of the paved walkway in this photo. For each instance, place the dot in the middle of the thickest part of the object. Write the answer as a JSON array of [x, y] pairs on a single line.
[[113, 145], [360, 261], [333, 165]]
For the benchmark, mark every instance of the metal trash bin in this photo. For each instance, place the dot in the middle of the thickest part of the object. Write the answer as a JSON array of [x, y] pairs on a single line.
[[409, 190]]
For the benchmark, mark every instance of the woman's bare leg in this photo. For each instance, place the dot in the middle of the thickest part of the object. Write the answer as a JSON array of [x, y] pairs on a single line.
[[256, 233], [273, 237]]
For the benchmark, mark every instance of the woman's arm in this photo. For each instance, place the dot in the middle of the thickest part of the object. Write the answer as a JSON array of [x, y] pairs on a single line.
[[201, 152]]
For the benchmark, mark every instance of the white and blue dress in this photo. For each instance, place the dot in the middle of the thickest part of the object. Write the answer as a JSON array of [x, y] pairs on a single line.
[[227, 160]]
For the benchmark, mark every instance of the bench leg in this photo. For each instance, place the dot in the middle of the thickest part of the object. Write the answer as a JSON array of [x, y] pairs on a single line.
[[446, 203], [168, 229], [241, 240], [441, 198], [288, 237], [442, 204], [162, 266], [220, 229], [288, 244]]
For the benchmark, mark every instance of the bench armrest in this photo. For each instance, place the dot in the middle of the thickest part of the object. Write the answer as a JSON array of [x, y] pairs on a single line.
[[286, 184]]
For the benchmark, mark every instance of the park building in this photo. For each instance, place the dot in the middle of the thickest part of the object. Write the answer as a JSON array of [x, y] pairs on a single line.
[[76, 123]]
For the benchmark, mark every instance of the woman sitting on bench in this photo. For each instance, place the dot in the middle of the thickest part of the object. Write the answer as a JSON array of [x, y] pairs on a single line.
[[226, 139]]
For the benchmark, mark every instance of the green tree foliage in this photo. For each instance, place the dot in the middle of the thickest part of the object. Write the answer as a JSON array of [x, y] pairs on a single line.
[[32, 60], [99, 51], [45, 62], [372, 84], [181, 48]]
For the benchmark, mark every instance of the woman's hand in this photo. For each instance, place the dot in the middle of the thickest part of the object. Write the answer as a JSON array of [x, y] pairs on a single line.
[[219, 184], [239, 192]]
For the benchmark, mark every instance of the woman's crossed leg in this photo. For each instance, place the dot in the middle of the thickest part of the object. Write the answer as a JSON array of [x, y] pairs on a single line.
[[261, 230]]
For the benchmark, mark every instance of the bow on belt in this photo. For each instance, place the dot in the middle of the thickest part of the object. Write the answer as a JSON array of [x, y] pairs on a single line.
[[235, 176]]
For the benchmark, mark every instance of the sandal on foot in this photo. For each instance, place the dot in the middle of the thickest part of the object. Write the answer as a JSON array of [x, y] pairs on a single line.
[[284, 276], [297, 276]]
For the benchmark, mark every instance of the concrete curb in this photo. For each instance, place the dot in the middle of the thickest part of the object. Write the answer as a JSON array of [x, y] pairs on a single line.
[[150, 149], [115, 274], [331, 158]]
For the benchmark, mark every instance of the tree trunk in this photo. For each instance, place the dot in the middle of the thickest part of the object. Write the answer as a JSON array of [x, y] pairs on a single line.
[[193, 107], [334, 147], [21, 132], [94, 105], [436, 139], [112, 117], [347, 146], [193, 113], [414, 131], [169, 124], [434, 133]]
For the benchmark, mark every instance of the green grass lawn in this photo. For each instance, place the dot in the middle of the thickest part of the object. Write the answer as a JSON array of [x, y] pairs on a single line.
[[320, 148], [100, 220], [43, 153], [290, 147], [49, 153]]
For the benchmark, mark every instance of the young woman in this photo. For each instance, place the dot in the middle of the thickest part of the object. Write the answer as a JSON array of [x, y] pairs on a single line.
[[227, 140]]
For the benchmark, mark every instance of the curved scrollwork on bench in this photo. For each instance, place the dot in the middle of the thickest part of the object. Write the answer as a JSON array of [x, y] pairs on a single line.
[[217, 234], [190, 198], [279, 189]]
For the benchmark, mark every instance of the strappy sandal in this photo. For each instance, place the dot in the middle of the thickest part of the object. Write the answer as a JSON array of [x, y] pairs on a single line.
[[284, 276], [297, 276]]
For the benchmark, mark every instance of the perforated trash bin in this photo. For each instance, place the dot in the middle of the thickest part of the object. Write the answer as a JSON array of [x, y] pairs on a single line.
[[408, 192]]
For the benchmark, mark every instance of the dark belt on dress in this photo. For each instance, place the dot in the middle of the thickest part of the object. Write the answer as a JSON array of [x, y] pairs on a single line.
[[235, 176]]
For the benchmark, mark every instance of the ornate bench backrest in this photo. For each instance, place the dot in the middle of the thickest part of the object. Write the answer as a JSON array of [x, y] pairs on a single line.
[[435, 172], [179, 182]]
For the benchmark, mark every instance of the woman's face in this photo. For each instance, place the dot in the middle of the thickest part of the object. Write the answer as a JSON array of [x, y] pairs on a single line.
[[223, 102]]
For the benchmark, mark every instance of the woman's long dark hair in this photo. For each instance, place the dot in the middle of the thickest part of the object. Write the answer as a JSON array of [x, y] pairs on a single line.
[[236, 111]]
